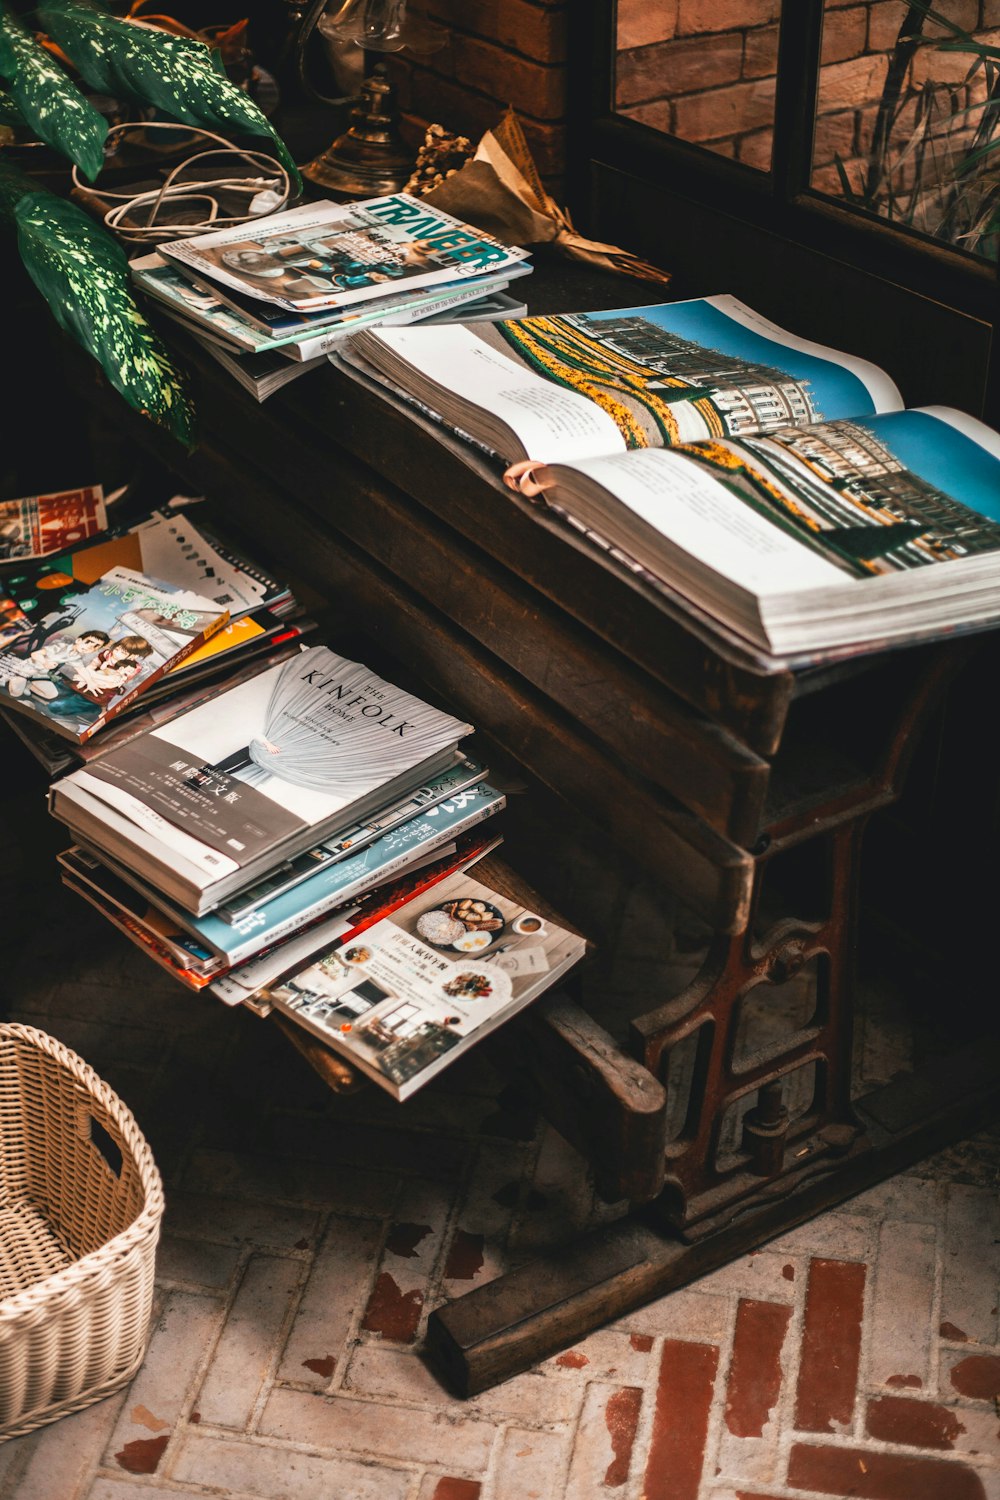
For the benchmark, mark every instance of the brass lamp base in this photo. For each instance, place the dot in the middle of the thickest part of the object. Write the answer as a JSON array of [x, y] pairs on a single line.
[[369, 158]]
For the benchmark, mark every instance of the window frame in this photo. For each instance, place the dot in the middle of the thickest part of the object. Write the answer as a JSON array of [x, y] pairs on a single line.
[[630, 182]]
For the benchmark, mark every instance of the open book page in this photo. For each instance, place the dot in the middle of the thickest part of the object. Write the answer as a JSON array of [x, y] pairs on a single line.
[[836, 532], [556, 389]]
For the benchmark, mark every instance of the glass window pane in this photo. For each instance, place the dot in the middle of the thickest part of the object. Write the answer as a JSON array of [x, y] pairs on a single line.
[[702, 70], [908, 116]]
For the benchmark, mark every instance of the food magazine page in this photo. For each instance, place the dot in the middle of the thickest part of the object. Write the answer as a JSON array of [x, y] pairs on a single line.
[[417, 989]]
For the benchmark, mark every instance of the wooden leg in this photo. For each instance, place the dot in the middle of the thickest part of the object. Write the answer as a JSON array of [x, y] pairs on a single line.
[[501, 1329]]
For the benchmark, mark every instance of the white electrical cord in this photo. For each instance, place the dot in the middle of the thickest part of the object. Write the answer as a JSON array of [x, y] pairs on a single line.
[[267, 194]]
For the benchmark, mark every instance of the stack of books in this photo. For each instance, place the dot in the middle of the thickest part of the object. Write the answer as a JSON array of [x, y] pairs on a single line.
[[271, 300], [199, 616], [302, 842]]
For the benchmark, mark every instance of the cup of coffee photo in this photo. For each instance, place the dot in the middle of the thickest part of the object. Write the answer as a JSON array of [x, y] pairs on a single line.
[[529, 925]]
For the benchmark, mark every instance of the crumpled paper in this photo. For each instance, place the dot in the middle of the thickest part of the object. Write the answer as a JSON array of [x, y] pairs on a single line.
[[500, 191]]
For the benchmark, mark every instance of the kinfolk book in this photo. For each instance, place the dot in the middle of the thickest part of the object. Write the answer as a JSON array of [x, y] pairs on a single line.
[[775, 484], [77, 668], [206, 804], [412, 993], [405, 848]]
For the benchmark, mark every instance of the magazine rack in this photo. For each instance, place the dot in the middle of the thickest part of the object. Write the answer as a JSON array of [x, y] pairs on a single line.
[[703, 761]]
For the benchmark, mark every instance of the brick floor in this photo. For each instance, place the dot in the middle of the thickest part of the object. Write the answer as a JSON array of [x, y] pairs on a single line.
[[307, 1238]]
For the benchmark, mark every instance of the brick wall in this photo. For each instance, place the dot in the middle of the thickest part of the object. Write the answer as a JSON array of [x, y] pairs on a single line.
[[704, 70], [498, 52]]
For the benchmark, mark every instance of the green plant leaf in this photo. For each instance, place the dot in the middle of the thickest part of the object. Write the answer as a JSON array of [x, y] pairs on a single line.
[[9, 112], [8, 62], [50, 104], [82, 274], [131, 60]]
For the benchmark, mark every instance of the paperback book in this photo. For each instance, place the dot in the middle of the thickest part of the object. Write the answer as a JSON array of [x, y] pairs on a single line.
[[205, 805], [405, 848], [78, 667], [777, 485], [330, 255], [413, 992], [454, 791], [244, 984]]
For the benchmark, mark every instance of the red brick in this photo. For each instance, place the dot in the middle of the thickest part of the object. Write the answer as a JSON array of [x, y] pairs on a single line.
[[757, 149], [449, 1487], [679, 67], [697, 16], [977, 1377], [465, 1256], [433, 98], [884, 22], [680, 1421], [831, 1345], [919, 1424], [724, 112], [621, 1417], [540, 91], [864, 1474], [844, 33], [516, 24], [760, 52], [834, 137], [659, 115], [755, 1370], [850, 85], [391, 1312], [640, 23]]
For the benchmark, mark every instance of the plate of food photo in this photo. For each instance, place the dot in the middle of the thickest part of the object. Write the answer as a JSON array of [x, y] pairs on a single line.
[[465, 925], [468, 982]]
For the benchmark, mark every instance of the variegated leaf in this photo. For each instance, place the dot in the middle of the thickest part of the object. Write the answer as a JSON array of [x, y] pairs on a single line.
[[81, 272], [50, 104], [131, 60], [9, 112], [8, 63]]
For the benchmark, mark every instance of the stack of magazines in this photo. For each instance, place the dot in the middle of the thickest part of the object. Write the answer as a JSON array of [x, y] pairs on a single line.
[[272, 299], [302, 842], [109, 633]]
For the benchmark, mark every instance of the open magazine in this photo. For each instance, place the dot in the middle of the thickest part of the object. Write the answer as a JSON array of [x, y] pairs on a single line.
[[775, 483], [416, 990], [328, 255]]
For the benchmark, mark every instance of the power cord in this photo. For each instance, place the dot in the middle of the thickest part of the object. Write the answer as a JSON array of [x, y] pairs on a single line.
[[267, 194]]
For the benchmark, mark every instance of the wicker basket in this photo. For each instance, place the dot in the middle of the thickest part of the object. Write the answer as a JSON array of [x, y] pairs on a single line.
[[80, 1208]]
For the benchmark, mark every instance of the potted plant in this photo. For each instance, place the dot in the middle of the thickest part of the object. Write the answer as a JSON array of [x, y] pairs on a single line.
[[76, 265]]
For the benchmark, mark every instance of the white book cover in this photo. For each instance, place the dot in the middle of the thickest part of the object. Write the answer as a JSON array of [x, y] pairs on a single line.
[[261, 765]]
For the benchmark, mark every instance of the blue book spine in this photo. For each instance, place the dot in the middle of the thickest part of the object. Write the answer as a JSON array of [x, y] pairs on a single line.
[[349, 878]]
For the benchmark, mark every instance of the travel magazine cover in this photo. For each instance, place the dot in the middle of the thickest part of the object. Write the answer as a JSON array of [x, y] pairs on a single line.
[[257, 328], [212, 800], [776, 484], [328, 255], [412, 993], [77, 667]]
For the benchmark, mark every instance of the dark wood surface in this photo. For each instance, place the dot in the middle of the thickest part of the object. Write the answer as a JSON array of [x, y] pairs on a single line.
[[690, 755]]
